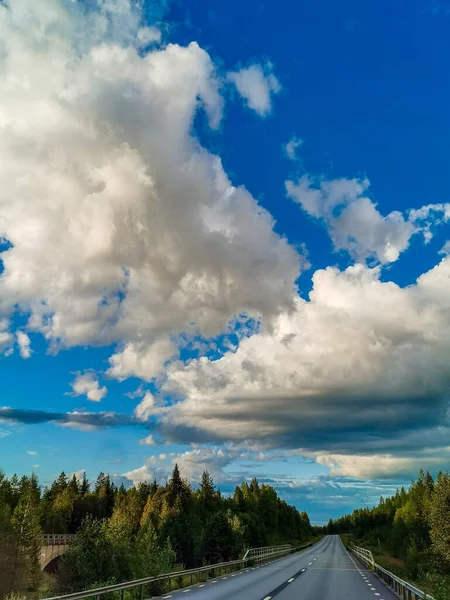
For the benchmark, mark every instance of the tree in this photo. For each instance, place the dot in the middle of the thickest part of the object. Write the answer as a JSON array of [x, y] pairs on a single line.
[[218, 540], [25, 522], [84, 488], [440, 519]]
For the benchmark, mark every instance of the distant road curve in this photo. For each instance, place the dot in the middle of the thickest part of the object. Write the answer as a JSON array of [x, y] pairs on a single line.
[[323, 572]]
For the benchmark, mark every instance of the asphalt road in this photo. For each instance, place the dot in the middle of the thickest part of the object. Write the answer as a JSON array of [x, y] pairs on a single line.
[[323, 572]]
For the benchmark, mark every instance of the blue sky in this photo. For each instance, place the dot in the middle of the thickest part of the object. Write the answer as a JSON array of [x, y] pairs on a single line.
[[223, 234]]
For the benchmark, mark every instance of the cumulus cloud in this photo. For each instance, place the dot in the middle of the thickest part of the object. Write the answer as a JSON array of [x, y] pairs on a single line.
[[256, 84], [148, 35], [360, 367], [217, 460], [352, 219], [141, 360], [6, 338], [87, 384], [148, 441], [354, 222], [445, 248], [24, 343], [31, 452], [120, 226], [148, 408]]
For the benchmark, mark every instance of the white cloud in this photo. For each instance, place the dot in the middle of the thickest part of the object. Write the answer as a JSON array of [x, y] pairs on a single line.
[[78, 474], [87, 384], [24, 343], [354, 222], [141, 360], [148, 441], [291, 147], [256, 84], [31, 452], [36, 466], [6, 338], [363, 363], [142, 474], [148, 408], [381, 466], [352, 219], [149, 35], [149, 238], [445, 248]]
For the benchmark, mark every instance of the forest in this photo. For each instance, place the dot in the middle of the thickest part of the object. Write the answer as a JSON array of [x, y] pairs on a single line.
[[409, 533], [124, 534]]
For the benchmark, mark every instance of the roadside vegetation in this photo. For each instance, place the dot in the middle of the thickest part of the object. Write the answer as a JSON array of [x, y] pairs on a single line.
[[124, 534], [408, 534]]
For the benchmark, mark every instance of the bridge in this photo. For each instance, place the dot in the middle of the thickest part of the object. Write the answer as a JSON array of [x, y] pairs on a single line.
[[321, 570], [53, 546]]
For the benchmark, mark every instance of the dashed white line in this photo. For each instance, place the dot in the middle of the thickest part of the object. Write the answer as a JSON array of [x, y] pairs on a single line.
[[224, 577], [309, 564], [268, 598], [201, 585], [290, 580], [188, 590]]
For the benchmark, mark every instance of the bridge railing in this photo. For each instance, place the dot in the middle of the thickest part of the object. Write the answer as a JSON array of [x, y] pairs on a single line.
[[161, 584], [403, 589], [57, 539]]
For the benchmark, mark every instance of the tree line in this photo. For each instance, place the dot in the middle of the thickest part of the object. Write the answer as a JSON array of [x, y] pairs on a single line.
[[413, 526], [123, 534]]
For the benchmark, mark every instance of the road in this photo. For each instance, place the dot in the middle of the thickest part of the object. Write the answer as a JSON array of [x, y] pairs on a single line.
[[323, 572]]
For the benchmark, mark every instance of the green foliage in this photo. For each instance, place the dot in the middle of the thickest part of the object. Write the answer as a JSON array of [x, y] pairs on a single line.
[[440, 519], [413, 526], [123, 534]]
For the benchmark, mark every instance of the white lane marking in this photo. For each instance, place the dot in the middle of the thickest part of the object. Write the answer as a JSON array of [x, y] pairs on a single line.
[[224, 577], [233, 575], [164, 597], [303, 570], [214, 581], [309, 564], [188, 590], [290, 580], [377, 594], [268, 598], [373, 589], [202, 585]]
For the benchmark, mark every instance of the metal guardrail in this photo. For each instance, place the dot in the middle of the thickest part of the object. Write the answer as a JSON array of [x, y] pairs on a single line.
[[260, 554], [57, 539], [403, 589], [162, 584]]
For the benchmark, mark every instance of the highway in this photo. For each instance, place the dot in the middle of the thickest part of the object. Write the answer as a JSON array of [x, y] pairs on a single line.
[[323, 572]]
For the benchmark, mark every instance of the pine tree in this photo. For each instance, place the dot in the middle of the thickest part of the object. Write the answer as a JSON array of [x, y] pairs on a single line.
[[84, 488]]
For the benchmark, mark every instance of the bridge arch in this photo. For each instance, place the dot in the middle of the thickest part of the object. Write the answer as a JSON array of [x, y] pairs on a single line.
[[53, 547]]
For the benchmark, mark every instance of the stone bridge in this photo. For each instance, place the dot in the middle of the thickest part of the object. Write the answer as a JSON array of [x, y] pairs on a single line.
[[53, 546]]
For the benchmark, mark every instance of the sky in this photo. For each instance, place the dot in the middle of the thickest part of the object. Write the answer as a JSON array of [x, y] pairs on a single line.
[[224, 242]]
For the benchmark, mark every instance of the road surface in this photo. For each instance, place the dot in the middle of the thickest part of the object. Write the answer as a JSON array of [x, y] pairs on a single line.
[[323, 572]]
